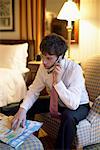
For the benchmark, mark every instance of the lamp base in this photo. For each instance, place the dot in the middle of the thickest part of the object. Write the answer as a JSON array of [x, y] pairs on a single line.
[[69, 29]]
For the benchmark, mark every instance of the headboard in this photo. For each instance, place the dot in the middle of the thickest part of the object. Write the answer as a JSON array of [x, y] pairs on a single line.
[[31, 46]]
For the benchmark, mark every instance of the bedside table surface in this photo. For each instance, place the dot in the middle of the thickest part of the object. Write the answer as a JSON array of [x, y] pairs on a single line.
[[33, 67], [34, 62]]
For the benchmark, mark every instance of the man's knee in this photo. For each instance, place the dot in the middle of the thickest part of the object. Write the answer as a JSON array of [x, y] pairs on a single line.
[[67, 115]]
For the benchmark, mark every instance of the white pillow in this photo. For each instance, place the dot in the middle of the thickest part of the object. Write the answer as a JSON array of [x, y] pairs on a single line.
[[14, 56]]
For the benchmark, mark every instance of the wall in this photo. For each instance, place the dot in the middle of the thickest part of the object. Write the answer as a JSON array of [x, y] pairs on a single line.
[[89, 32], [54, 5], [89, 29], [13, 34], [99, 27]]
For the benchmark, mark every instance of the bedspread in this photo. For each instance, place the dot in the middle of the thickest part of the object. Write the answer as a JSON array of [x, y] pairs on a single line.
[[12, 86]]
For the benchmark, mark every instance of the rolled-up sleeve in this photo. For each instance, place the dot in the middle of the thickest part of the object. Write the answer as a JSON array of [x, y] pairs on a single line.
[[34, 90]]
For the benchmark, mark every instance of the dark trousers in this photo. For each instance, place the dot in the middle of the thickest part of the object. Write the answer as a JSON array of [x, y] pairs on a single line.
[[69, 120]]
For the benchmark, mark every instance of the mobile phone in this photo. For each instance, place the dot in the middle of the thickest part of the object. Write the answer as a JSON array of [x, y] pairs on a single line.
[[53, 66]]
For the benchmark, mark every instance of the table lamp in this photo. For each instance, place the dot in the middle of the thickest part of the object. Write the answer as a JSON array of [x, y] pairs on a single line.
[[69, 12]]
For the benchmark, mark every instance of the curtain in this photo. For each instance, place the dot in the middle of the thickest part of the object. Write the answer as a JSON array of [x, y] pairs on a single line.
[[31, 22]]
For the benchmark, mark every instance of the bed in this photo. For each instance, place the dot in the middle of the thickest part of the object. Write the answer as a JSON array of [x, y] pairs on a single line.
[[14, 55]]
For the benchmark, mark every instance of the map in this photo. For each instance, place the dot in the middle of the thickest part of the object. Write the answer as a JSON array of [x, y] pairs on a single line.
[[16, 137]]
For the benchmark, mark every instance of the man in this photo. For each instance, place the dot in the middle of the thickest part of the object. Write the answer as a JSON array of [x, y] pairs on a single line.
[[66, 77]]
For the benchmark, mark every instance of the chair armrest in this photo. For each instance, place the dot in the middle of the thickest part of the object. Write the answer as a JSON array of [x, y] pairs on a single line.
[[94, 111], [83, 133]]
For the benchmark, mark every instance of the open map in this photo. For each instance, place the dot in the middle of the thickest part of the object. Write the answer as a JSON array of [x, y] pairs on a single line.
[[16, 137]]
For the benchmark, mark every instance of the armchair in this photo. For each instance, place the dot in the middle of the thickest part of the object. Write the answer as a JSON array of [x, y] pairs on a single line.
[[88, 130]]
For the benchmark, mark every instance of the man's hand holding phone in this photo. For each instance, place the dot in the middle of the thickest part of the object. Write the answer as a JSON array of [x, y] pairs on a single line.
[[57, 73]]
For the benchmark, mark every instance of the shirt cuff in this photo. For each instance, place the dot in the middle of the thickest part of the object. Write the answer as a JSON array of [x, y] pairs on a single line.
[[27, 103], [58, 85], [23, 106]]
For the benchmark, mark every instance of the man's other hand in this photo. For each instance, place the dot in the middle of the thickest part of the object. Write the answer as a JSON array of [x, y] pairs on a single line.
[[19, 119]]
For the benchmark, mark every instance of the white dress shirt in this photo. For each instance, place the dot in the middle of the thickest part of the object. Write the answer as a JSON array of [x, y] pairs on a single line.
[[71, 89]]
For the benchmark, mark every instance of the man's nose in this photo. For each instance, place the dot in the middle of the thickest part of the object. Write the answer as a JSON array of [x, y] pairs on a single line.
[[44, 61]]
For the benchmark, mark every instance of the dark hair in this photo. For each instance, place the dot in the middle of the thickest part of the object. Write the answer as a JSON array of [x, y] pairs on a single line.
[[53, 44]]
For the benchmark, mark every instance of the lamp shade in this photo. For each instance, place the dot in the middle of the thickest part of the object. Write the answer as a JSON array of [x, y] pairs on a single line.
[[69, 12]]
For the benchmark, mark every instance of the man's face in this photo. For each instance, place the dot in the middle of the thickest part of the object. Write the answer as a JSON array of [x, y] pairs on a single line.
[[48, 60]]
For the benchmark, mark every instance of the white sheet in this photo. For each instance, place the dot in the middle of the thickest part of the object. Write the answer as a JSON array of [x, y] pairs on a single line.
[[12, 86]]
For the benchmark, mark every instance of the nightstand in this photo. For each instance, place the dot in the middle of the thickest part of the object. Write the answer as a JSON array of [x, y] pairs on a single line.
[[33, 66]]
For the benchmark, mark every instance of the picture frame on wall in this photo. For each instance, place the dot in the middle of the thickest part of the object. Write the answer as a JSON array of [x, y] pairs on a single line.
[[6, 15]]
